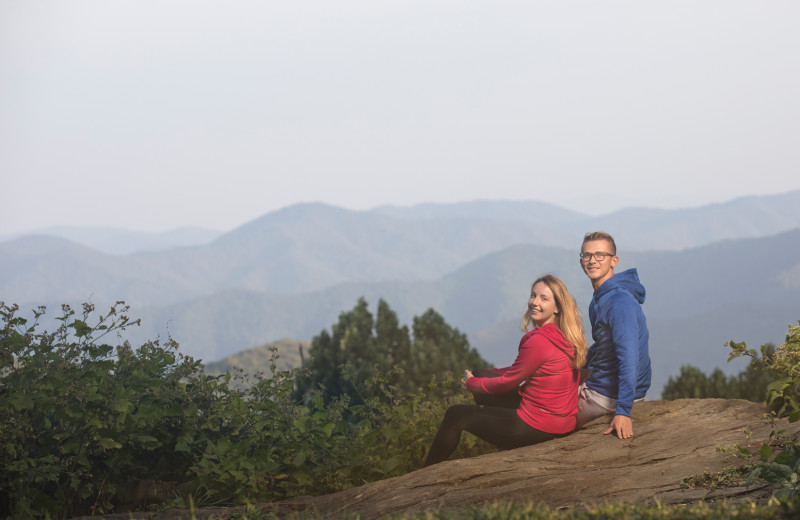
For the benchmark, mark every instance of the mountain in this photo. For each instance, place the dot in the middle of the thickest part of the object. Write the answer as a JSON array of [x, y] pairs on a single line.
[[291, 272], [638, 229], [47, 269], [287, 354], [693, 306], [524, 210], [309, 247], [123, 241], [746, 217]]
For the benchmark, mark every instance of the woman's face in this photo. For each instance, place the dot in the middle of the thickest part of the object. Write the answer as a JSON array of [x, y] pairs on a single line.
[[542, 305]]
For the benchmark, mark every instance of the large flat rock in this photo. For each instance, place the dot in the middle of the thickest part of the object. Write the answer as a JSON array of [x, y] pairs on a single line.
[[673, 440]]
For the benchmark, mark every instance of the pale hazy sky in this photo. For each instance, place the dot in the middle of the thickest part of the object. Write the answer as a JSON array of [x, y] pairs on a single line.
[[152, 115]]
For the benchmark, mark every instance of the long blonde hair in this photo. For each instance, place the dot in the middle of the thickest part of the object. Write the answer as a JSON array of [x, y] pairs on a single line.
[[568, 319]]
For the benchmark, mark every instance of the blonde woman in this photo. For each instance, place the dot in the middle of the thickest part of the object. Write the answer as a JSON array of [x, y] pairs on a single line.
[[536, 398]]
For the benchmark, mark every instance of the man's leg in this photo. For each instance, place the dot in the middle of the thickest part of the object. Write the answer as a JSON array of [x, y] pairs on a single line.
[[592, 405]]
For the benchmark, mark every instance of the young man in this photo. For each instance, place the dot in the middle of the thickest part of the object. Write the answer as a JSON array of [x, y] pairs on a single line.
[[619, 360]]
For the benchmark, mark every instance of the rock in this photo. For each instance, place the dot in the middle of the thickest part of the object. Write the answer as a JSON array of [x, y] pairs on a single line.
[[673, 440]]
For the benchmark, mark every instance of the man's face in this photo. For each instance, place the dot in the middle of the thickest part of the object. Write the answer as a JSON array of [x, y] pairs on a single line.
[[598, 270]]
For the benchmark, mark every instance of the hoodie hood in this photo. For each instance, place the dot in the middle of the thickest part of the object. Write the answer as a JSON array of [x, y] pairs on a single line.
[[626, 281], [554, 334]]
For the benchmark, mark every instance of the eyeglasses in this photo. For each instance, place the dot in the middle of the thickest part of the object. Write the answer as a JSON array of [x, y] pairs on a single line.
[[598, 255]]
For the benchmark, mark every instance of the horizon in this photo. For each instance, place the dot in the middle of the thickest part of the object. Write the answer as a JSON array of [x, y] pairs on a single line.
[[57, 227]]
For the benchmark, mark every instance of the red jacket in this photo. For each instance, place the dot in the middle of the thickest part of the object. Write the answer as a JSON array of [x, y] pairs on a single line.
[[547, 382]]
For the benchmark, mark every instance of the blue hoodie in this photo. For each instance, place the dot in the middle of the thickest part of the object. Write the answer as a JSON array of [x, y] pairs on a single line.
[[619, 360]]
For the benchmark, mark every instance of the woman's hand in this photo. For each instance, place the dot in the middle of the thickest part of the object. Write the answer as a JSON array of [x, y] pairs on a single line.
[[467, 375]]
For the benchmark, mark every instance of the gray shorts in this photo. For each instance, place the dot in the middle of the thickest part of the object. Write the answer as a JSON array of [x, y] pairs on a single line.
[[592, 405]]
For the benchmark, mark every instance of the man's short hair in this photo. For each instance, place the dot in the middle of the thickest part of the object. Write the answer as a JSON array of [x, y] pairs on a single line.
[[601, 235]]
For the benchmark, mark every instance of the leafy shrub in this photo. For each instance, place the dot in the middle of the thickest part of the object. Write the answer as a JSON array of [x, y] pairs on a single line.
[[783, 394], [781, 468], [81, 420]]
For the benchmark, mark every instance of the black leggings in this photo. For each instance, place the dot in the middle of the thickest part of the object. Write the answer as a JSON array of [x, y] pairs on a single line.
[[494, 419]]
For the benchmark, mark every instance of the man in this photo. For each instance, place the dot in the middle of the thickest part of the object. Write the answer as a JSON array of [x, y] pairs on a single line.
[[619, 360]]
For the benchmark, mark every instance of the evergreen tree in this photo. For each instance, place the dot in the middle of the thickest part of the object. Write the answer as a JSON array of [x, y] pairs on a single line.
[[750, 384], [360, 346]]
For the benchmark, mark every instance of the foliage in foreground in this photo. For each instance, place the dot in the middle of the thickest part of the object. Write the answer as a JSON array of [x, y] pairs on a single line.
[[80, 420], [780, 468], [530, 510]]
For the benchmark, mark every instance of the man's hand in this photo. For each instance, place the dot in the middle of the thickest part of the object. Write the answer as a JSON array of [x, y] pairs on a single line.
[[622, 426]]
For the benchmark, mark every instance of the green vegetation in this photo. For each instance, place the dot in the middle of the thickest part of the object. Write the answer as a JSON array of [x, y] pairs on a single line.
[[86, 420], [530, 510], [368, 346], [751, 384], [82, 422], [729, 476], [781, 468]]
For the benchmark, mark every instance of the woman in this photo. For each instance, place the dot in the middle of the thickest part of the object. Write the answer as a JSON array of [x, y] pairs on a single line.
[[536, 398]]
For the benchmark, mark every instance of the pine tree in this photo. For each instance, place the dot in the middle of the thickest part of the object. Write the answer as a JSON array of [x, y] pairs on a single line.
[[750, 384], [360, 346]]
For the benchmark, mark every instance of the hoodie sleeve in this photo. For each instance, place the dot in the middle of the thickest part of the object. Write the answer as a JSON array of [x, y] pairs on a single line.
[[531, 355], [623, 318]]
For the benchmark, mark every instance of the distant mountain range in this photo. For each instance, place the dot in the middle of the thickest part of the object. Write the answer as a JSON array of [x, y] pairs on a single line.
[[123, 242], [714, 273]]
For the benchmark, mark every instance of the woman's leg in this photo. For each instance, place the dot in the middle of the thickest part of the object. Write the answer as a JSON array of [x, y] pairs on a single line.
[[499, 426], [507, 400]]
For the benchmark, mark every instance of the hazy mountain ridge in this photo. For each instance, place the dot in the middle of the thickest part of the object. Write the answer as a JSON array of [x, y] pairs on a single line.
[[308, 247], [291, 272], [260, 358], [115, 241], [526, 210], [44, 268], [693, 307], [746, 217]]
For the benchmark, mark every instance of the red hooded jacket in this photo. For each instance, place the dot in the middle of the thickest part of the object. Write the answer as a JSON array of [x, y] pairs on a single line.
[[547, 382]]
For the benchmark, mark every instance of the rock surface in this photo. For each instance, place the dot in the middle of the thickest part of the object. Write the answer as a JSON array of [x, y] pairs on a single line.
[[673, 440]]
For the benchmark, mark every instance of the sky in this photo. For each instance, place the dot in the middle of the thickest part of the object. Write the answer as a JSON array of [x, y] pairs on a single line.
[[153, 115]]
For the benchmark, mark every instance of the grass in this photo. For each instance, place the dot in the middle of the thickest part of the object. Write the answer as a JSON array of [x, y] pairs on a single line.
[[533, 511]]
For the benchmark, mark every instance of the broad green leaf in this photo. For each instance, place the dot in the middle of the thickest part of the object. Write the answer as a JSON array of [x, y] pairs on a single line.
[[299, 459], [81, 328], [108, 443], [121, 405], [22, 403], [765, 452]]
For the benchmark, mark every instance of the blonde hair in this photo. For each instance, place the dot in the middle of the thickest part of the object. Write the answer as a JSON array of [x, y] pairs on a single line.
[[568, 319]]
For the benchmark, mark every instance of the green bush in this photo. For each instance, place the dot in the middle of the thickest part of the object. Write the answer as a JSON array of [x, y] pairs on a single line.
[[82, 420], [79, 419], [783, 394], [782, 467]]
